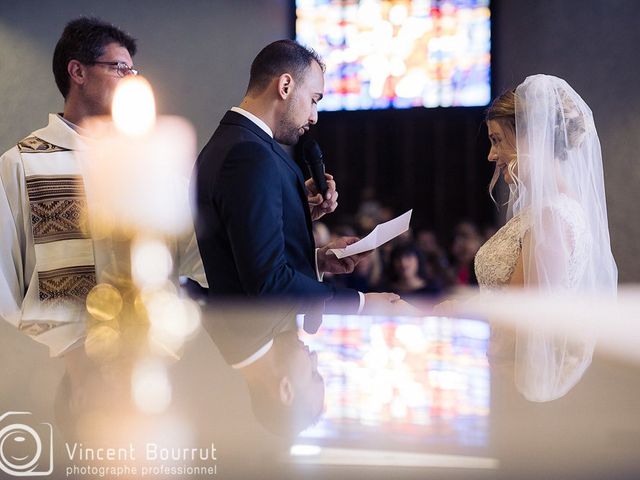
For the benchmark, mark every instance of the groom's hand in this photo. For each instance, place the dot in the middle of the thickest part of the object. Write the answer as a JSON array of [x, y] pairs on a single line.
[[388, 304], [329, 263], [320, 206], [379, 303]]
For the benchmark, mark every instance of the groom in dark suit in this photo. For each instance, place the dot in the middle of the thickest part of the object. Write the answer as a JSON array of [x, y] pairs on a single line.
[[254, 207]]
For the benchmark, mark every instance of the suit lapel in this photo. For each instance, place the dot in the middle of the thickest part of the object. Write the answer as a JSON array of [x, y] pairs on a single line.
[[288, 160], [302, 189], [235, 118]]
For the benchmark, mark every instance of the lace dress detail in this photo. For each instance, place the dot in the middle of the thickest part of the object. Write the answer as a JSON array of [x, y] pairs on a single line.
[[496, 260]]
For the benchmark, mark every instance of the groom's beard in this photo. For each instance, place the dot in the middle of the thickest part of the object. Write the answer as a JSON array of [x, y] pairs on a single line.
[[288, 132]]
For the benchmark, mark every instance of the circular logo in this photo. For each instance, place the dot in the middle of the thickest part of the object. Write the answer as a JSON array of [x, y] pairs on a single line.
[[20, 447]]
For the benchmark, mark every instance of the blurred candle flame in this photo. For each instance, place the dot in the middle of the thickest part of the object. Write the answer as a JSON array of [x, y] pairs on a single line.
[[136, 167], [151, 262], [134, 107]]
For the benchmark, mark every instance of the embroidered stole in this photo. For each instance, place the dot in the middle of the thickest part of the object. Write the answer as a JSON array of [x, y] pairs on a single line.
[[64, 255]]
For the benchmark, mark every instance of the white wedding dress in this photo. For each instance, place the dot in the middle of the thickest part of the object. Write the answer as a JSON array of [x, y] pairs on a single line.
[[559, 232], [496, 260]]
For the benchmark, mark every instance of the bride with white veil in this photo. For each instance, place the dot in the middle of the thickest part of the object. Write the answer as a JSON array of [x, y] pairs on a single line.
[[546, 148]]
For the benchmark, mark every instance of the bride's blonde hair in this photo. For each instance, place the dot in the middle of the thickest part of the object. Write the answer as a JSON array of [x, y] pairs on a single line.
[[503, 111]]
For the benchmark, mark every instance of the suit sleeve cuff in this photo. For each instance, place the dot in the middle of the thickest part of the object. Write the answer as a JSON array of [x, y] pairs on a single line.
[[361, 306], [319, 274]]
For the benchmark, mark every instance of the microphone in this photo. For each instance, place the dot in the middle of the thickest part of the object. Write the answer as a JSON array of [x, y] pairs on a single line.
[[313, 158]]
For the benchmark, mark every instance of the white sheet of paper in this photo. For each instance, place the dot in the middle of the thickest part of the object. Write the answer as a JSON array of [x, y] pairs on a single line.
[[380, 235]]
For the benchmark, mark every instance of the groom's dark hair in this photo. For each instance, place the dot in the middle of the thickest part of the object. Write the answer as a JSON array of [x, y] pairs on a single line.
[[281, 56]]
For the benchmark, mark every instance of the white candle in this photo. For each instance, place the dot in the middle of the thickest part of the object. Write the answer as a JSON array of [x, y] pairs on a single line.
[[137, 166], [136, 170]]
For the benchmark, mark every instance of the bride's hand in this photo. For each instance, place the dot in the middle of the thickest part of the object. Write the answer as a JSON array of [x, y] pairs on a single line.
[[402, 307], [448, 308]]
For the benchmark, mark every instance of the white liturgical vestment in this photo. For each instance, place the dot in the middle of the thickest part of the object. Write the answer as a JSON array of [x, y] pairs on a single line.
[[48, 259]]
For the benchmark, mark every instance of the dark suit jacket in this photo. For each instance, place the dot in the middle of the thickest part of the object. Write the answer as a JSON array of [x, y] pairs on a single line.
[[253, 223]]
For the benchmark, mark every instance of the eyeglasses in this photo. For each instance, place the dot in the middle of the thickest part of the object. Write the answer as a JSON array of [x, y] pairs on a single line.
[[122, 69]]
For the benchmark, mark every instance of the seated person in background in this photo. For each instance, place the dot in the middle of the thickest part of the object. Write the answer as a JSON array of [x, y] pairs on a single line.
[[407, 272], [367, 275], [466, 243], [437, 262]]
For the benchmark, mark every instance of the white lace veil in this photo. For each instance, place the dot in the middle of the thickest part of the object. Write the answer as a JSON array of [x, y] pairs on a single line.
[[559, 192]]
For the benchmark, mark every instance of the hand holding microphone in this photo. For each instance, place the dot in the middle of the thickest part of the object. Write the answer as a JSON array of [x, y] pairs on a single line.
[[313, 159], [322, 194]]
